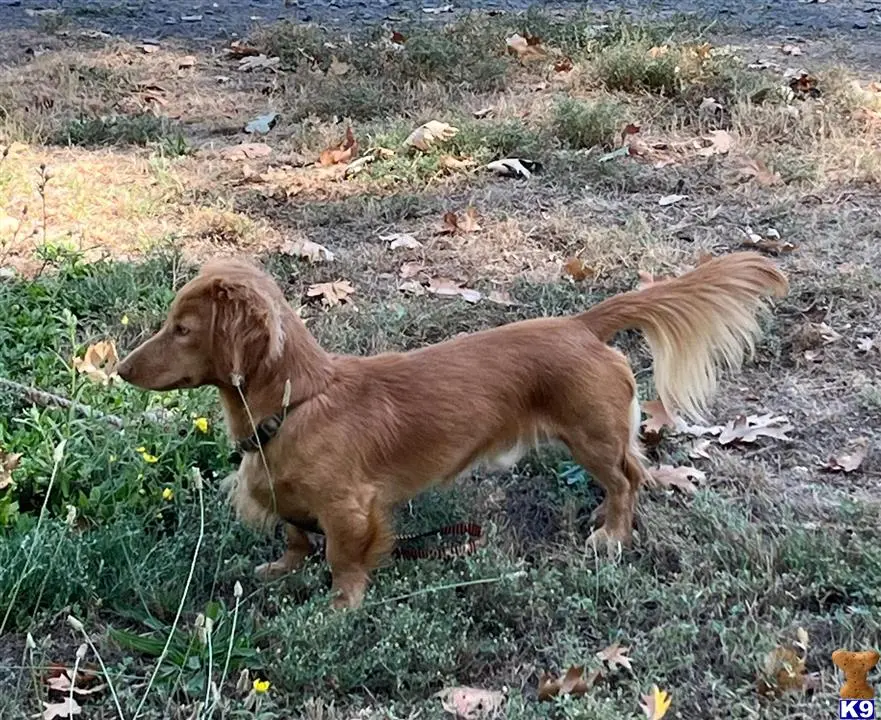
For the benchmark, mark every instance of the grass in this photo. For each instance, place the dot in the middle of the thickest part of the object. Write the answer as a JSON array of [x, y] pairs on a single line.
[[107, 528]]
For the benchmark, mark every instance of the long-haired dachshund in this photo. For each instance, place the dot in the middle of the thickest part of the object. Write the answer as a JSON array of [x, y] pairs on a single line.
[[335, 441]]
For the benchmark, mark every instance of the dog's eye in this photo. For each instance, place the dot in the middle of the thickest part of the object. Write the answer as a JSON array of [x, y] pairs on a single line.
[[181, 330]]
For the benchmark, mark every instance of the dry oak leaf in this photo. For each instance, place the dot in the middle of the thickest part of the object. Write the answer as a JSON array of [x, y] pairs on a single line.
[[245, 151], [751, 168], [656, 703], [514, 167], [670, 199], [464, 223], [342, 153], [846, 461], [658, 417], [563, 65], [615, 655], [451, 288], [401, 240], [720, 142], [791, 49], [771, 245], [311, 251], [238, 50], [677, 477], [577, 269], [572, 683], [99, 362], [748, 428], [8, 463], [430, 134], [331, 293], [62, 683], [471, 703], [67, 708], [337, 67], [501, 297]]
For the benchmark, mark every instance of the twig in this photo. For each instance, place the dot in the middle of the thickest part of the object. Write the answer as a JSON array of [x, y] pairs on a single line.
[[47, 399]]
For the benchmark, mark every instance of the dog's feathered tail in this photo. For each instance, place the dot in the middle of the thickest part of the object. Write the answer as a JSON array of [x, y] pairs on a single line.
[[694, 323]]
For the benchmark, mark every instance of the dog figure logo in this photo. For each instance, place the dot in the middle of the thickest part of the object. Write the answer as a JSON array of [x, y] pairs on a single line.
[[857, 695]]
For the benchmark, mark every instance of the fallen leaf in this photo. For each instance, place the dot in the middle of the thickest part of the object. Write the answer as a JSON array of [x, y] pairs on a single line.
[[8, 463], [67, 708], [865, 344], [783, 671], [431, 133], [331, 293], [710, 106], [401, 240], [656, 703], [438, 10], [514, 167], [245, 151], [577, 269], [258, 62], [342, 153], [465, 223], [658, 51], [451, 288], [615, 655], [483, 112], [572, 683], [148, 48], [791, 49], [262, 124], [500, 297], [720, 142], [851, 459], [62, 683], [748, 429], [658, 417], [398, 38], [670, 199], [751, 168], [453, 163], [471, 703], [187, 61], [311, 251], [191, 18], [99, 362], [668, 476], [525, 48]]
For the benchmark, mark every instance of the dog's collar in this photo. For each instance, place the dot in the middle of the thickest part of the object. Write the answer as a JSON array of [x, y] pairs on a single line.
[[265, 430]]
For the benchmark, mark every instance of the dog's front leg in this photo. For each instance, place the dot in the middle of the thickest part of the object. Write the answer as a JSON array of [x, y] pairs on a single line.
[[297, 551]]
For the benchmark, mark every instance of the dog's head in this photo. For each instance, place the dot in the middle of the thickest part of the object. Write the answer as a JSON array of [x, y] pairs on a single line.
[[225, 322]]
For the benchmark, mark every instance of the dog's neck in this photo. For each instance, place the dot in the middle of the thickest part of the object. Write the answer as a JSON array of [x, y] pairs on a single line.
[[261, 393]]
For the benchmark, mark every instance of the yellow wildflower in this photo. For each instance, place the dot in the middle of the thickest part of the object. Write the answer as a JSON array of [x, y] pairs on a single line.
[[201, 424], [261, 686], [167, 494], [148, 458], [124, 320]]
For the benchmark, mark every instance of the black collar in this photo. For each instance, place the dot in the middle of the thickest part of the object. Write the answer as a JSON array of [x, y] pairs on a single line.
[[266, 429]]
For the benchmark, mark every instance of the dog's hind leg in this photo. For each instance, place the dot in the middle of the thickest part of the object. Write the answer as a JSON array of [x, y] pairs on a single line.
[[357, 539], [297, 551]]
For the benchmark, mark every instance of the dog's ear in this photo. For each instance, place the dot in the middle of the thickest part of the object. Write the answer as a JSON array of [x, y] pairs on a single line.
[[246, 327]]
